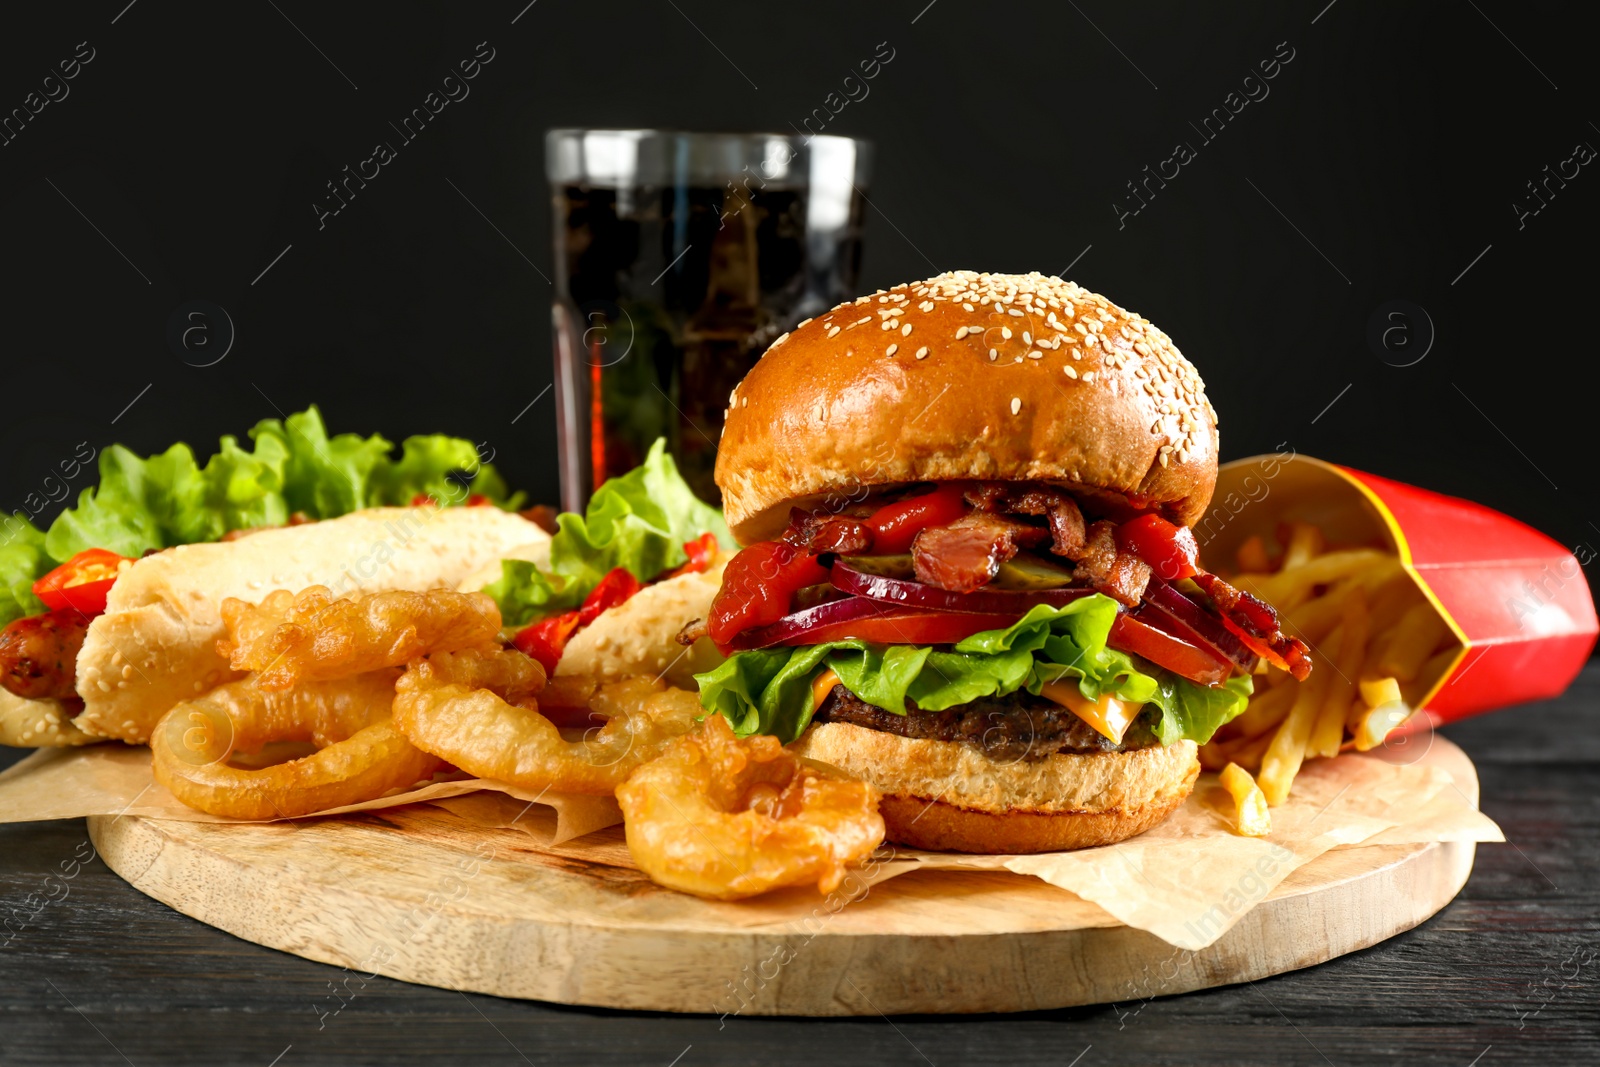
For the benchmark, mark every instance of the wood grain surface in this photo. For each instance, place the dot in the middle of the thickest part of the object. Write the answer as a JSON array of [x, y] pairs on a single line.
[[415, 893], [95, 972]]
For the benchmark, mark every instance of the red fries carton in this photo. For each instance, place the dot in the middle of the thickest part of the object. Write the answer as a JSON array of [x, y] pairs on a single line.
[[1515, 600]]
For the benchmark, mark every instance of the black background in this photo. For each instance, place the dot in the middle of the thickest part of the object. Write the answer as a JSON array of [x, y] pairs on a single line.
[[1385, 161], [1386, 158]]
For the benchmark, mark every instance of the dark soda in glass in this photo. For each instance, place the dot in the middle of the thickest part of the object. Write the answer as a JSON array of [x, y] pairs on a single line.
[[679, 258]]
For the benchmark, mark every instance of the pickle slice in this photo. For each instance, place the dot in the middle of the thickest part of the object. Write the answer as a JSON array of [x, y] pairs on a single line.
[[1032, 572]]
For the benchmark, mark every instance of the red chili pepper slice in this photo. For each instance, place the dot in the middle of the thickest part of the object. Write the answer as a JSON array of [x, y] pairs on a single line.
[[701, 551], [895, 526], [758, 587], [617, 586], [546, 639], [1170, 550], [81, 583]]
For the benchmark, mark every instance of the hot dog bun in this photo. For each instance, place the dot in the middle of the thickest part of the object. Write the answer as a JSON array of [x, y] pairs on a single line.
[[156, 643], [28, 723]]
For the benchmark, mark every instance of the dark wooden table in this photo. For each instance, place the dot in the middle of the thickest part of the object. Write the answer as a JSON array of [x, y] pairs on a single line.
[[1510, 972]]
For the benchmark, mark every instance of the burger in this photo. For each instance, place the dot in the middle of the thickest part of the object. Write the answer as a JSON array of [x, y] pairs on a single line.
[[967, 572]]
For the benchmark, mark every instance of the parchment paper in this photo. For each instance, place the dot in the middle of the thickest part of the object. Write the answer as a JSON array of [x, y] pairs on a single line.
[[115, 779], [1189, 880]]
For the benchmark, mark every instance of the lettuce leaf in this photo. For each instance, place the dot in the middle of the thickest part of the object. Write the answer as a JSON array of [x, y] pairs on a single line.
[[292, 465], [638, 521], [769, 690], [22, 560]]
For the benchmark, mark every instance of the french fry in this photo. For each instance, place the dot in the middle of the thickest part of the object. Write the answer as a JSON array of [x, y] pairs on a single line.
[[1248, 753], [1375, 724], [1265, 711], [1328, 733], [1250, 806], [1393, 599], [1323, 570], [1315, 619], [1411, 641], [1283, 757], [1252, 556], [1305, 541], [1376, 692]]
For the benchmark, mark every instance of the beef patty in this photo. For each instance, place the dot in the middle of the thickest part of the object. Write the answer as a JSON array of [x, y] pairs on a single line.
[[1017, 727]]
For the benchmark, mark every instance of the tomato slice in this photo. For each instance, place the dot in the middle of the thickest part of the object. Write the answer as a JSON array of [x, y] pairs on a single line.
[[546, 639], [1170, 550], [617, 586], [895, 526], [81, 583], [906, 626], [758, 587], [1164, 650]]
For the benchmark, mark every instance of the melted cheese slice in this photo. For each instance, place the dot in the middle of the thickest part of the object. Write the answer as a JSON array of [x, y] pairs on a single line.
[[821, 686], [1109, 716]]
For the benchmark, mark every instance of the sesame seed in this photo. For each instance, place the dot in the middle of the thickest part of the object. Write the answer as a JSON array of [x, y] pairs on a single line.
[[892, 350], [961, 331], [780, 340], [905, 331], [1005, 332], [803, 322], [1132, 344], [888, 324], [993, 353], [744, 401], [1027, 338], [1035, 355], [834, 332], [1071, 371], [922, 353], [1016, 404]]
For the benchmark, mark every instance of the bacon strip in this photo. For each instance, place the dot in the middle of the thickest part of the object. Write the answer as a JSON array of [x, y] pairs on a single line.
[[1119, 575], [1067, 532], [966, 555], [1259, 620], [821, 531]]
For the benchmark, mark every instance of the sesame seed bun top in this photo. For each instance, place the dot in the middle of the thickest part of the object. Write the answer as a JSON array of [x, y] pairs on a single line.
[[1004, 377]]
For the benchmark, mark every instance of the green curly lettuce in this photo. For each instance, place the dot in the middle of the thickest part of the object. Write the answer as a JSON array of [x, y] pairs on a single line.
[[292, 465], [638, 521], [768, 691]]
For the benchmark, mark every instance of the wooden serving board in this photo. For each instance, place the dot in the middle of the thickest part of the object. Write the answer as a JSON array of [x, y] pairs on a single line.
[[417, 894]]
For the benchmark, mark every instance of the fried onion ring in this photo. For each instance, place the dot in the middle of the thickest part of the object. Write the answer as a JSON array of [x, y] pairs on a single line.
[[361, 755], [724, 818], [476, 709], [313, 636]]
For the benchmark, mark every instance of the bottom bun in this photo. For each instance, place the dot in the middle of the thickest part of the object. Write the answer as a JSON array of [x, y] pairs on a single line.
[[949, 796], [28, 723]]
